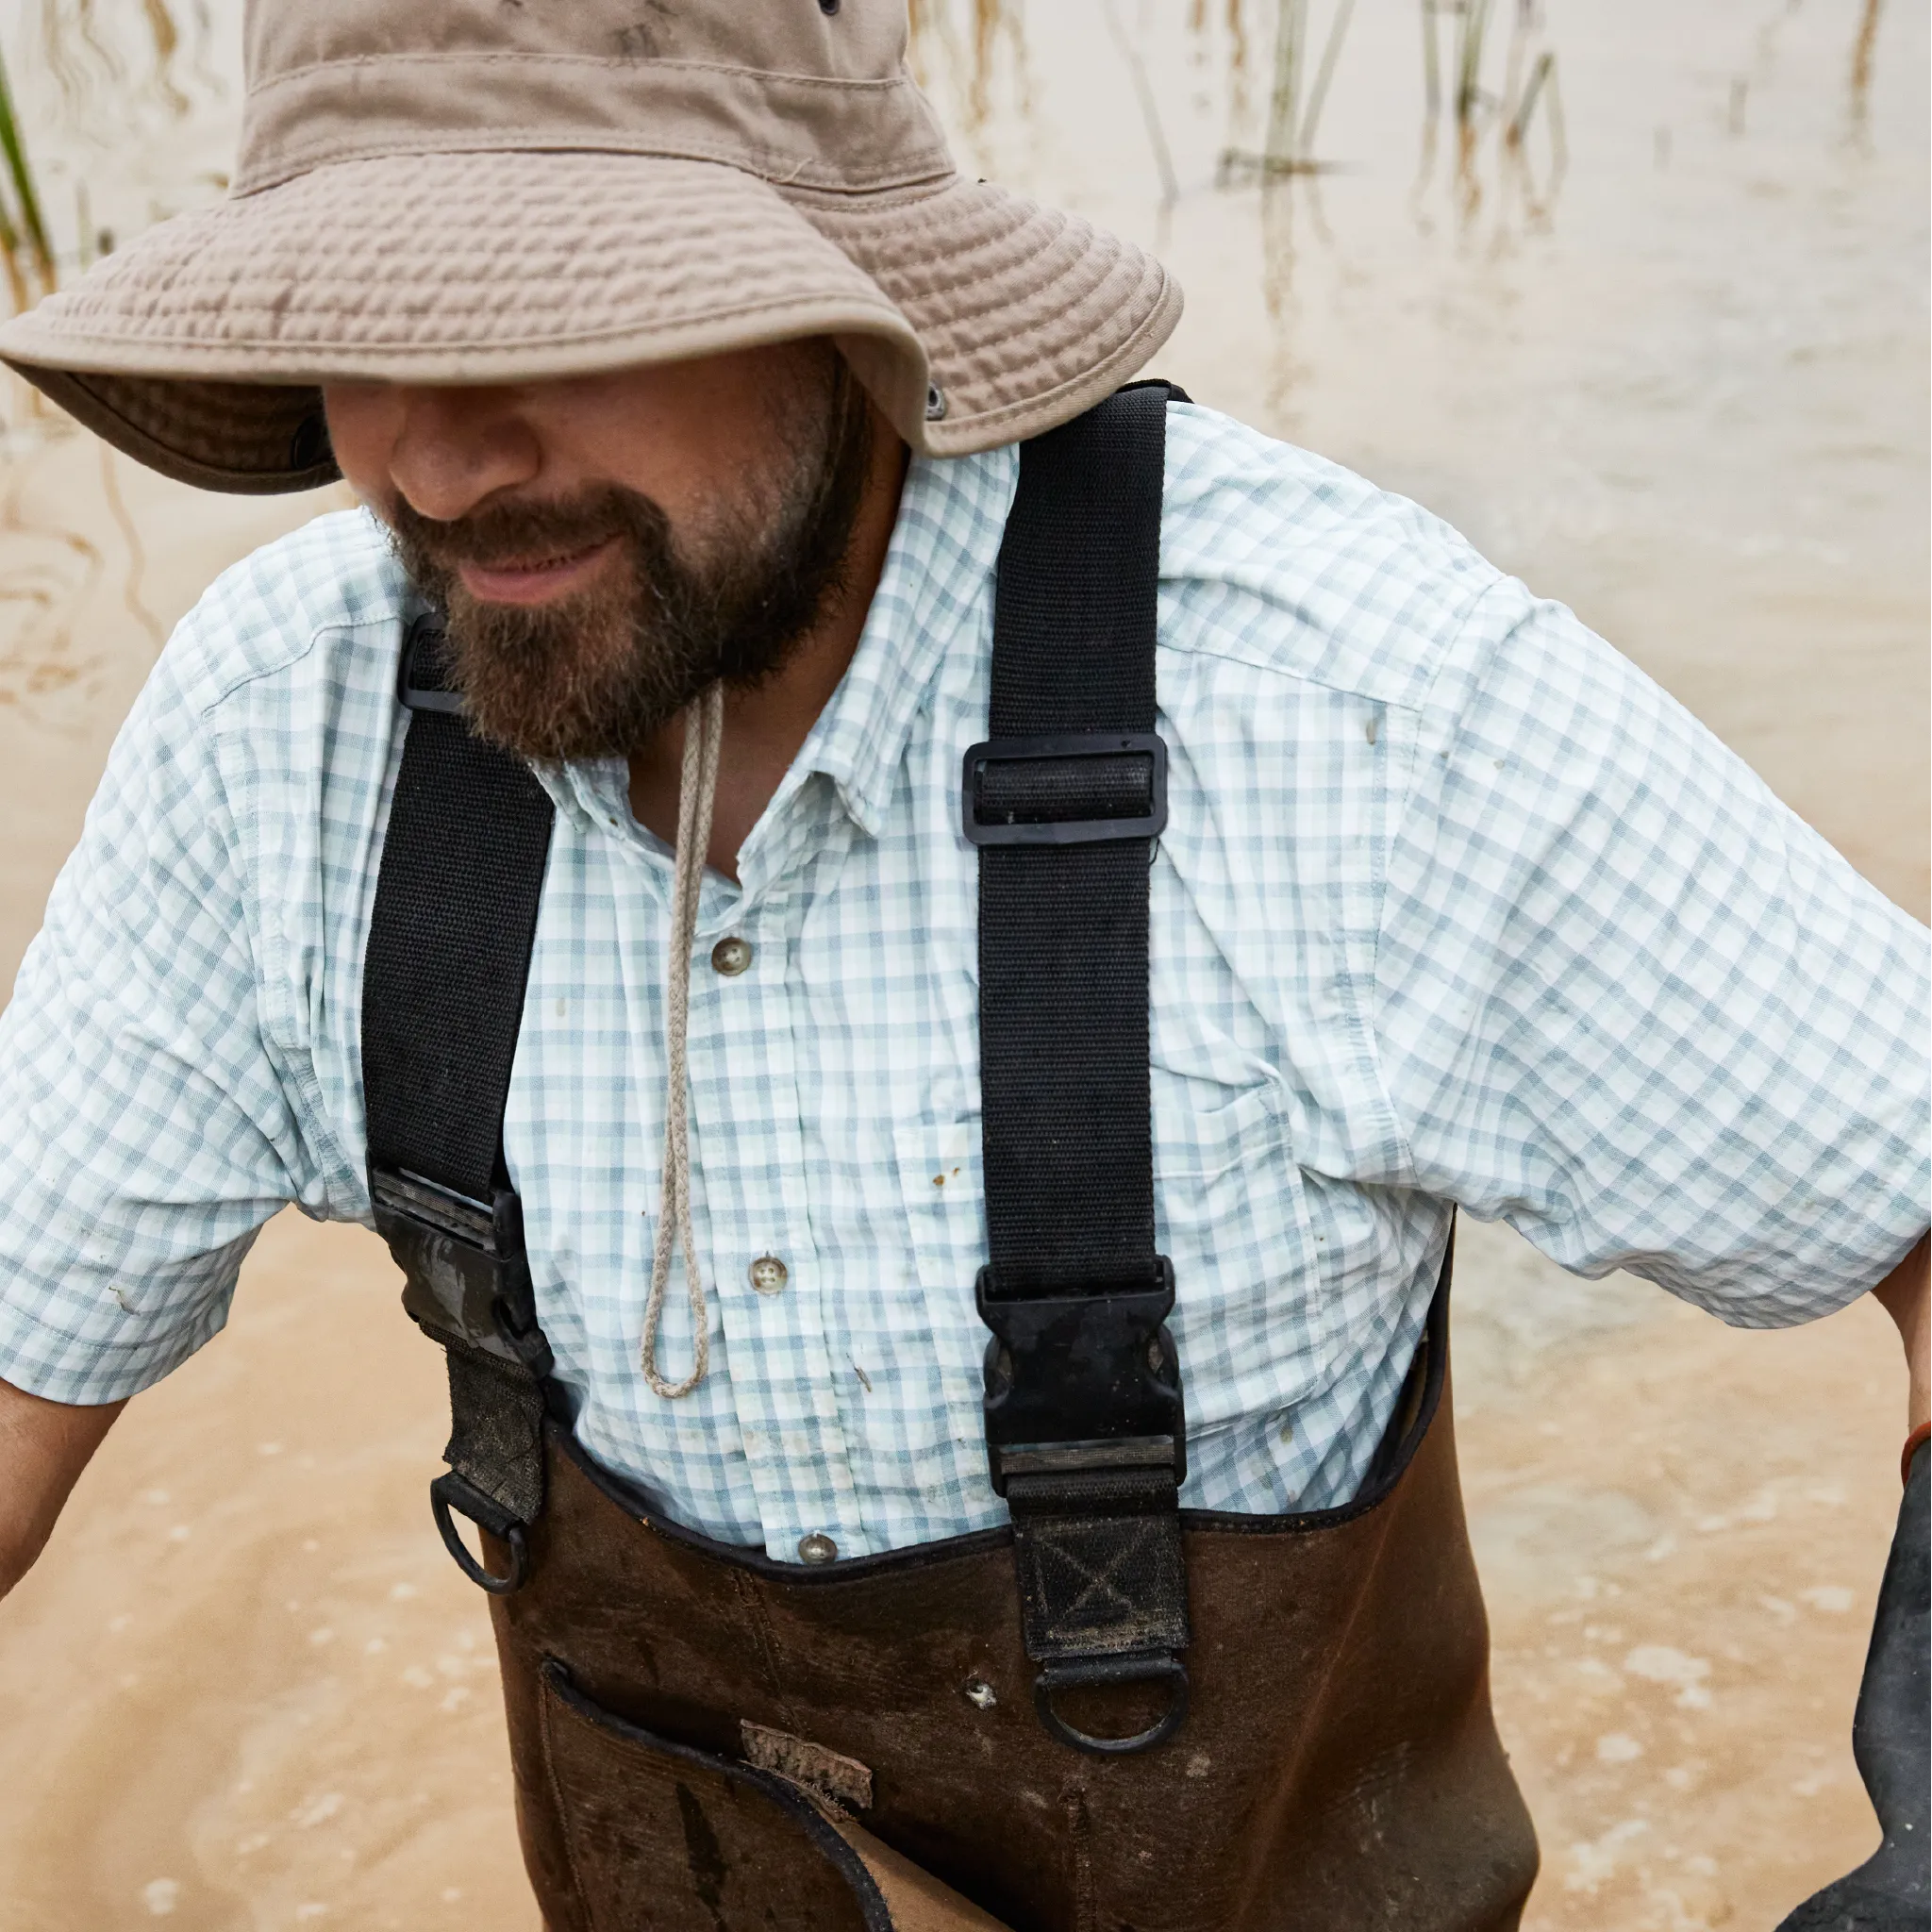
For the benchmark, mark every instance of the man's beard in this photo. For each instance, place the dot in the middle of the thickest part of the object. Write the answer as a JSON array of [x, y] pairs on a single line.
[[595, 673]]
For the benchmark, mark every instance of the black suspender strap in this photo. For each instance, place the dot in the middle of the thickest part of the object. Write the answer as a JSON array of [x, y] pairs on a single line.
[[1086, 1435], [443, 973]]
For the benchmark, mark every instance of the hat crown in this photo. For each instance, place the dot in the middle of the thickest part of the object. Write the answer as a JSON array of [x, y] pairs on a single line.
[[864, 39], [782, 89]]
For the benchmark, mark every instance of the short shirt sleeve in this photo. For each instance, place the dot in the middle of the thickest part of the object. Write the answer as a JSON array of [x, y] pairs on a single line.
[[1628, 1002], [145, 1134]]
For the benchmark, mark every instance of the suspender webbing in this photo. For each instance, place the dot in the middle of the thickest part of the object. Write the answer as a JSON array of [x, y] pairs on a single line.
[[449, 940], [443, 973], [1085, 1432]]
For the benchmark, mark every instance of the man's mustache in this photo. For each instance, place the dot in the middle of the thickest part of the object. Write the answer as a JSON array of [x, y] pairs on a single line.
[[528, 531]]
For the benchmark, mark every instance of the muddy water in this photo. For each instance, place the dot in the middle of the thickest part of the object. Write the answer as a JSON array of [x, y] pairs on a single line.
[[1673, 371]]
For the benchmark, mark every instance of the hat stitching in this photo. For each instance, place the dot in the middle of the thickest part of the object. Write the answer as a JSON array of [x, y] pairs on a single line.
[[291, 165], [1096, 379], [1078, 290], [487, 57], [1049, 236], [883, 308], [882, 201]]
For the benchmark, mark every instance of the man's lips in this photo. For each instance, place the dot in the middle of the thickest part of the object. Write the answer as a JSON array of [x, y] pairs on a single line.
[[535, 581]]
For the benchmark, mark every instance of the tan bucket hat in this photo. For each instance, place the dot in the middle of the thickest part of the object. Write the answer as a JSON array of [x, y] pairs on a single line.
[[497, 191]]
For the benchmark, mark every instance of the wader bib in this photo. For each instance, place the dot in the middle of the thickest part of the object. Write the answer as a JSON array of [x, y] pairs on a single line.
[[1115, 1715]]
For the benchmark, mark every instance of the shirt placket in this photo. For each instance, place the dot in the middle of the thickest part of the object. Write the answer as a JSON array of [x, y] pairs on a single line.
[[752, 1217]]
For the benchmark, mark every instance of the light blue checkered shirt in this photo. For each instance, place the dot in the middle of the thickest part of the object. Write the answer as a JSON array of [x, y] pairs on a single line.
[[1455, 905]]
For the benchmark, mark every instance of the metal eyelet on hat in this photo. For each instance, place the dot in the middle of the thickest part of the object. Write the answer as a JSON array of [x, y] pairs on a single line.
[[935, 401], [829, 8]]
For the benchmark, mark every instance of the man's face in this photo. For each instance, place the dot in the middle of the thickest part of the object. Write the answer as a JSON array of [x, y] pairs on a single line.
[[606, 547]]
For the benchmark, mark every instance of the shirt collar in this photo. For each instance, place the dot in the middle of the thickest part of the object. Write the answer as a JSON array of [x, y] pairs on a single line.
[[952, 517]]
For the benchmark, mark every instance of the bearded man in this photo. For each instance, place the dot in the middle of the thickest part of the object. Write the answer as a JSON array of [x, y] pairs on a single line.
[[913, 949]]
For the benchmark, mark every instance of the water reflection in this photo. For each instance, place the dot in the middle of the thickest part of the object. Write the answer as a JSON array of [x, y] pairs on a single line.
[[136, 52], [49, 574], [1505, 118], [974, 49], [1863, 47]]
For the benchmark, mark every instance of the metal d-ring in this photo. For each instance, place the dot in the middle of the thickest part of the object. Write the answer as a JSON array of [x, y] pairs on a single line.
[[452, 1491], [1112, 1669]]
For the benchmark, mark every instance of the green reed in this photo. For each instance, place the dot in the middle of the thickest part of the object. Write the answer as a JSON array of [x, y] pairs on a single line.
[[1528, 90], [27, 256]]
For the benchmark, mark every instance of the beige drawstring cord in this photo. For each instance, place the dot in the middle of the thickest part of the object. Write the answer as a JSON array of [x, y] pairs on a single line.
[[697, 791]]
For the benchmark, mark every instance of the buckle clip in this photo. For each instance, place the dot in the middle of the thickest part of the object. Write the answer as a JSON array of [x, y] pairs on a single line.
[[1083, 1383], [1079, 788], [421, 664], [465, 1273]]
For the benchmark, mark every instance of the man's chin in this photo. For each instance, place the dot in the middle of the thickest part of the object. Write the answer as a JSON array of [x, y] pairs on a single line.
[[570, 741], [541, 705]]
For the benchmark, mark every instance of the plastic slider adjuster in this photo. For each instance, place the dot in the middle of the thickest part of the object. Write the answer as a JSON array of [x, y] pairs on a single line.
[[1082, 787], [1086, 1439], [420, 668], [1080, 1383], [465, 1273]]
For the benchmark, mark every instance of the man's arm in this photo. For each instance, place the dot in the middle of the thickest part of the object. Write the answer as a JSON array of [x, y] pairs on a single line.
[[147, 1128], [1905, 1296], [43, 1448], [1628, 1002]]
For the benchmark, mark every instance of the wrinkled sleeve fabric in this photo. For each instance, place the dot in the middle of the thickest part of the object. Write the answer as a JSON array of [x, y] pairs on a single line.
[[145, 1133], [1629, 1003]]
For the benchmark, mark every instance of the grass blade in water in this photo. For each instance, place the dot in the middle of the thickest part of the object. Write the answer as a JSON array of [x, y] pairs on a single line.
[[25, 199]]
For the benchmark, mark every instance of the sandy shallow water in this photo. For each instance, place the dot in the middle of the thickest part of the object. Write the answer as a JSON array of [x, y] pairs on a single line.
[[246, 1689]]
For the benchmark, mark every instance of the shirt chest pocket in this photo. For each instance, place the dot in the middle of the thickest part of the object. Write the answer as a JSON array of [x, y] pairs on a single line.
[[1254, 1326], [1226, 1190], [1230, 1210]]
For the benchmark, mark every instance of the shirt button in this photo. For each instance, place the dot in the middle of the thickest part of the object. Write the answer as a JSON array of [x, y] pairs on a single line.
[[817, 1548], [769, 1274], [731, 957]]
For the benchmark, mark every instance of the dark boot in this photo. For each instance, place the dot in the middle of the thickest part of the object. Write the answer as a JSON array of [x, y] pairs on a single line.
[[1891, 1739]]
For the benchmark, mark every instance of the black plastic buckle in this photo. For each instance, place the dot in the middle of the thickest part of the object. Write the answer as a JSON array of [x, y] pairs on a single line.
[[456, 1493], [465, 1273], [1083, 1382], [1080, 1673], [1093, 827], [420, 664]]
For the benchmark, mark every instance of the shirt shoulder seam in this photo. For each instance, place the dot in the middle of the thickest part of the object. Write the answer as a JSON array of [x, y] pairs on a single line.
[[255, 673]]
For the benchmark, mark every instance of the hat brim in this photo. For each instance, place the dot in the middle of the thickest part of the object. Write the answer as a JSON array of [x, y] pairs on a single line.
[[201, 348]]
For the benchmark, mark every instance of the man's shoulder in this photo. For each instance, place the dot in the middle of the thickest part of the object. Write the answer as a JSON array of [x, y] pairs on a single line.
[[287, 615], [1278, 559]]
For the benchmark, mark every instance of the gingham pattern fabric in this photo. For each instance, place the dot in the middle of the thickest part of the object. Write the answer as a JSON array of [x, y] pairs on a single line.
[[1455, 905]]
